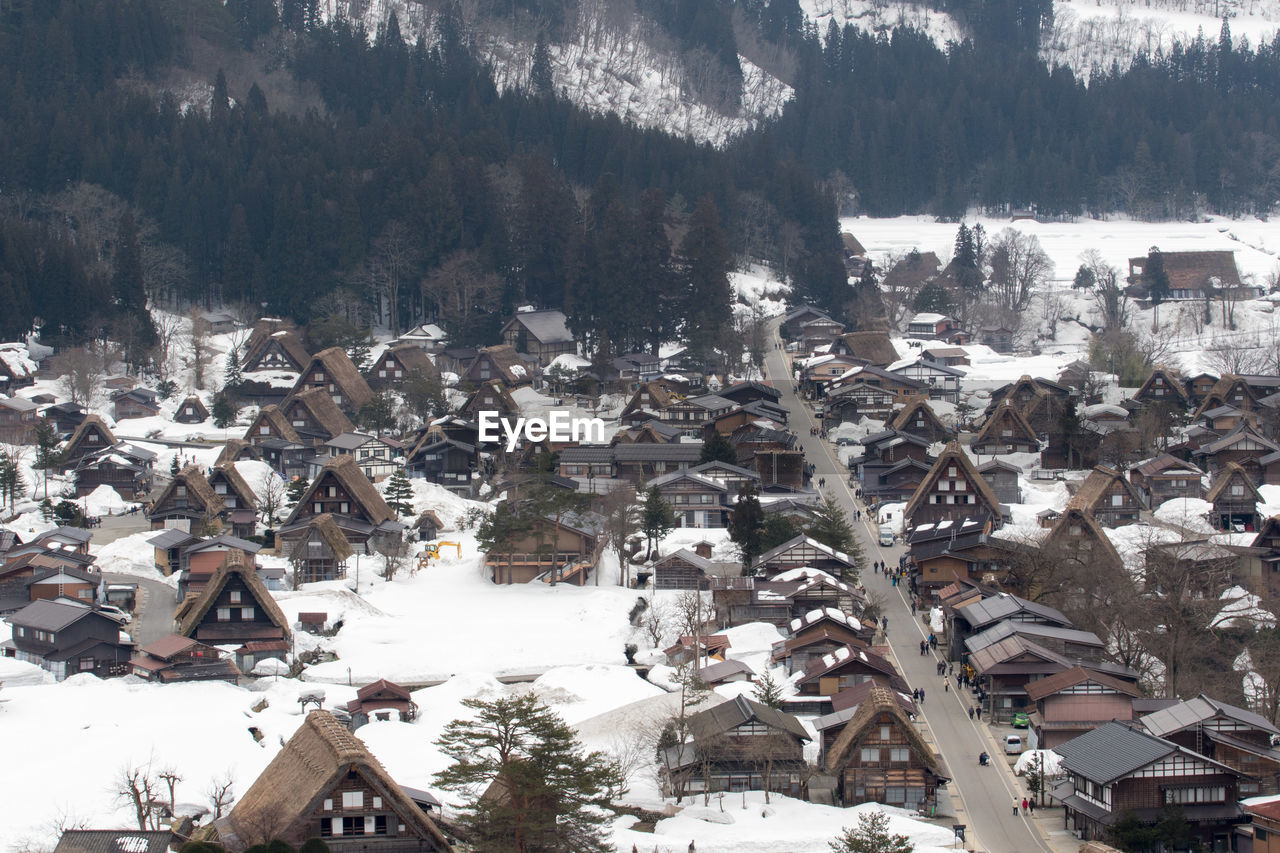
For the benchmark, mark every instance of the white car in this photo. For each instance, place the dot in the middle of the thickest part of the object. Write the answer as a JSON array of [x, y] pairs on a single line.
[[1013, 744]]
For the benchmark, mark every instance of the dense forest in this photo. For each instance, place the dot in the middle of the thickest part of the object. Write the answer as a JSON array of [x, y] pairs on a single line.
[[413, 189], [393, 182]]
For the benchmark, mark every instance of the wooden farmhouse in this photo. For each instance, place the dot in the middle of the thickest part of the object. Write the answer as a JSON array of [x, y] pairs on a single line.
[[135, 403], [1165, 478], [315, 416], [67, 638], [562, 550], [402, 363], [1118, 769], [880, 757], [274, 345], [174, 658], [326, 784], [1006, 431], [239, 500], [738, 745], [319, 551], [90, 437], [1108, 497], [680, 569], [541, 335], [343, 491], [234, 607], [918, 418], [333, 371], [499, 363], [1163, 387], [124, 467], [846, 667], [953, 489], [804, 552], [1235, 499], [188, 502]]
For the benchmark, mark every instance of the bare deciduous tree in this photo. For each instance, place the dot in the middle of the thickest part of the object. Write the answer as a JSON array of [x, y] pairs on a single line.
[[199, 350], [220, 793], [137, 787], [621, 524], [1019, 265], [167, 327], [81, 372], [271, 496]]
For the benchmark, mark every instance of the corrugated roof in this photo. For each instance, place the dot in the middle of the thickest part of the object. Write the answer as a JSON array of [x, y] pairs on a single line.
[[1003, 606], [1197, 710], [549, 327]]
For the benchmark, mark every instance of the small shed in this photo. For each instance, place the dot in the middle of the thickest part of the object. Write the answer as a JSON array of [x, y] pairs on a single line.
[[191, 411], [380, 701]]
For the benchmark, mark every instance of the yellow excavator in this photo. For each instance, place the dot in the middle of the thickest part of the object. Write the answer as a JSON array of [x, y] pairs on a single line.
[[433, 552]]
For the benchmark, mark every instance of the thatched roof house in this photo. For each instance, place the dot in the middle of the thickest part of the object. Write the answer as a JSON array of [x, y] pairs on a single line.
[[325, 762], [235, 587], [352, 488], [271, 423], [91, 436], [874, 347], [188, 496], [334, 371], [315, 416]]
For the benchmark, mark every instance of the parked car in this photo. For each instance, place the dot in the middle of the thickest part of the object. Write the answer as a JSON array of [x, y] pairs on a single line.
[[1021, 720], [1013, 744]]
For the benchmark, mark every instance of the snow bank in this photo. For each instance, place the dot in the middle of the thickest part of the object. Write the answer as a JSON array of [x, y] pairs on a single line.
[[784, 824], [1052, 762], [131, 555], [1189, 513], [104, 500], [1242, 609]]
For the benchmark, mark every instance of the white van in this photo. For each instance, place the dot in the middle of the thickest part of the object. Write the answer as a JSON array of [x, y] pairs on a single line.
[[886, 535], [1013, 744]]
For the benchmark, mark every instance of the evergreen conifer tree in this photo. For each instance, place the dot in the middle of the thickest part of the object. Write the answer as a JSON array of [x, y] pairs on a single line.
[[831, 527], [400, 493], [705, 262], [296, 488], [551, 786], [224, 413], [656, 517], [871, 836], [746, 525], [718, 449]]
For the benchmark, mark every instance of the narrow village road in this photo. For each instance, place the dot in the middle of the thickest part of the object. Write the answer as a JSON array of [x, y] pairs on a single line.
[[982, 796], [153, 610]]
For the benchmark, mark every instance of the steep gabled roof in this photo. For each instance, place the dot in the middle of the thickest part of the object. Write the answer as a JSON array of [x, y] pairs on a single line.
[[414, 358], [327, 529], [91, 423], [342, 371], [198, 485], [274, 418], [1095, 487], [916, 406], [874, 347], [508, 362], [1006, 416], [304, 772], [348, 474], [1164, 462], [227, 470], [880, 700], [1229, 473], [1170, 380], [320, 406], [548, 326], [192, 610], [953, 454], [1061, 536], [283, 334]]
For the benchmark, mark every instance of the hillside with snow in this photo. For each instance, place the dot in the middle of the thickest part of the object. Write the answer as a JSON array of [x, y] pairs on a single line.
[[615, 62]]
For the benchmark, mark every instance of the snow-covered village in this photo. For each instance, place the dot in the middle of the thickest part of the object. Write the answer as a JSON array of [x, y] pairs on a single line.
[[687, 426]]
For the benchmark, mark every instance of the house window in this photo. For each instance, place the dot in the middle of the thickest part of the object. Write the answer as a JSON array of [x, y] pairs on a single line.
[[317, 507], [353, 799], [220, 488], [180, 491], [86, 664], [332, 491], [346, 507], [235, 596], [1117, 500], [1237, 491], [326, 825], [1201, 794], [246, 614], [870, 754], [224, 614], [352, 825], [379, 825], [382, 374], [884, 733], [264, 430], [328, 804], [900, 754], [377, 802]]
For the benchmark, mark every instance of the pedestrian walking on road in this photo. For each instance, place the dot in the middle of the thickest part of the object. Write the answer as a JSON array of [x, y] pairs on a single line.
[[921, 694], [1015, 808], [971, 712], [977, 712], [946, 687], [1031, 806], [1024, 804]]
